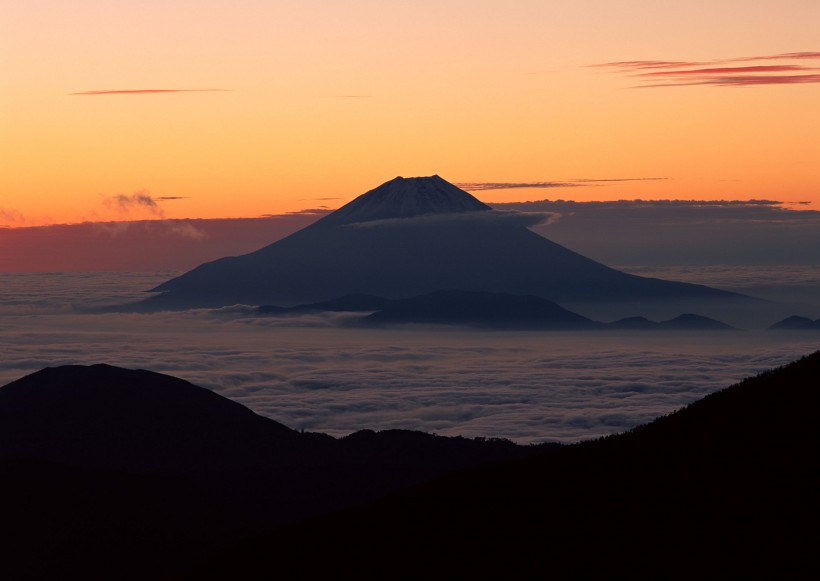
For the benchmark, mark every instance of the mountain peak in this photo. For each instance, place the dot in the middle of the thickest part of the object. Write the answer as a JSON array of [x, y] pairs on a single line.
[[405, 198]]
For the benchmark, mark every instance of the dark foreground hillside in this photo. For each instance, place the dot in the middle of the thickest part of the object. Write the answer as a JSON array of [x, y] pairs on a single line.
[[724, 487], [109, 473]]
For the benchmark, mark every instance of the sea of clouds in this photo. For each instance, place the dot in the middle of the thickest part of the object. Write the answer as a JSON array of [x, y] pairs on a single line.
[[308, 372]]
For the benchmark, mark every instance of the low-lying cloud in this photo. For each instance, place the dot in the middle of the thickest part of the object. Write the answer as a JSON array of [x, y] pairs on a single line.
[[681, 232], [530, 387]]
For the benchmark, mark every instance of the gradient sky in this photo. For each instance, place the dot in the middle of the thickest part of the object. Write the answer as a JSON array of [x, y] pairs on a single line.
[[115, 109]]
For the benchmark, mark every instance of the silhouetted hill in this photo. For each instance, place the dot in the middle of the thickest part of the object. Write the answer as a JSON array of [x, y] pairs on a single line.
[[685, 322], [480, 309], [484, 310], [128, 474], [356, 302], [795, 322], [692, 322], [726, 486], [409, 237]]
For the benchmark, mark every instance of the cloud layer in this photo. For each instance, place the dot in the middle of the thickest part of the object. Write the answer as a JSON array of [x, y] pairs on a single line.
[[529, 387], [681, 232]]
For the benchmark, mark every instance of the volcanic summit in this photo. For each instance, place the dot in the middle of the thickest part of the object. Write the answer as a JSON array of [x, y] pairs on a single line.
[[408, 237]]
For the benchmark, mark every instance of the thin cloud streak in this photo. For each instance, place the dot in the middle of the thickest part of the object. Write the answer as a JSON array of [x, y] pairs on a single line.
[[729, 70], [488, 186], [742, 81], [147, 91], [682, 73], [484, 186], [649, 64]]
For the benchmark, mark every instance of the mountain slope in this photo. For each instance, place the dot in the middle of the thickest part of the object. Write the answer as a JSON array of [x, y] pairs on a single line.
[[129, 474], [725, 486], [409, 237]]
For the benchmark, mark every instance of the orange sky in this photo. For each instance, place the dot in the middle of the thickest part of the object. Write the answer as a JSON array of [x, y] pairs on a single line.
[[274, 106]]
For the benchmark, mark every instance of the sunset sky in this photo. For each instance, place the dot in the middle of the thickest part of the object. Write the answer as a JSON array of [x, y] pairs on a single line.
[[117, 110]]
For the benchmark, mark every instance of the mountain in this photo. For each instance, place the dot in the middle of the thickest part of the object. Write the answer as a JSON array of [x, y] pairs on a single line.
[[408, 237], [478, 309], [129, 474], [685, 322], [726, 486], [483, 310], [795, 322]]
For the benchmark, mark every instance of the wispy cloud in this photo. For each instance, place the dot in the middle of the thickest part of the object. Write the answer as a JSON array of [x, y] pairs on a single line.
[[657, 73], [487, 186], [146, 91], [11, 217], [483, 186], [321, 211], [139, 203], [638, 65]]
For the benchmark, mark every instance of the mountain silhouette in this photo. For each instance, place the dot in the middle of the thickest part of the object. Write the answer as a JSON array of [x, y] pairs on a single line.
[[795, 322], [408, 237], [478, 309], [685, 322], [129, 474], [725, 486], [483, 310]]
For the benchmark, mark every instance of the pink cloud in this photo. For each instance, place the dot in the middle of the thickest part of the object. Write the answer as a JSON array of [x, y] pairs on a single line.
[[682, 73], [729, 70]]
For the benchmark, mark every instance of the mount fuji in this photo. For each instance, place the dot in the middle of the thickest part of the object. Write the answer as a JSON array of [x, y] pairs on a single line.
[[412, 236]]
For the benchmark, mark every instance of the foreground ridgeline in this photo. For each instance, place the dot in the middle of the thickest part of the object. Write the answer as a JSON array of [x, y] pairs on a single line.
[[414, 236], [110, 473]]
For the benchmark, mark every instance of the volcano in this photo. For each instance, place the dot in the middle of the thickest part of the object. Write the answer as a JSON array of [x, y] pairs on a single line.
[[408, 237]]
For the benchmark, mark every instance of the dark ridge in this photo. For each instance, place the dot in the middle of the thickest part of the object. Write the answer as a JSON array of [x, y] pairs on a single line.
[[129, 474], [726, 485]]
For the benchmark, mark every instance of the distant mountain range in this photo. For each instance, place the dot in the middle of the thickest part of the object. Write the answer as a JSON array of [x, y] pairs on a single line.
[[483, 310], [114, 473], [410, 237]]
